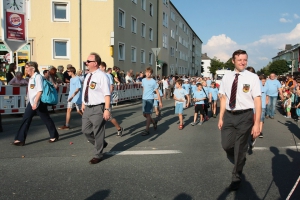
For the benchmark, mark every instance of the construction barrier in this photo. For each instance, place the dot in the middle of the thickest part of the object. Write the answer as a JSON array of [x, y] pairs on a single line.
[[13, 99]]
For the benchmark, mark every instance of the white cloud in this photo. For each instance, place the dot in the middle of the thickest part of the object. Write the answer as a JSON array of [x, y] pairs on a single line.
[[296, 16], [260, 52], [283, 20], [284, 14]]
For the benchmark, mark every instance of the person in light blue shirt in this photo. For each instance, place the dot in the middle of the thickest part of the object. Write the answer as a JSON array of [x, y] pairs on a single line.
[[149, 86], [186, 86], [193, 90], [213, 98], [74, 98], [264, 101], [274, 87], [180, 96], [199, 97], [208, 82]]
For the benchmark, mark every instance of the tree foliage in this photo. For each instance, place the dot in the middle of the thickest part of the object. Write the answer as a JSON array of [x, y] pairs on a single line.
[[278, 67], [215, 65], [229, 64]]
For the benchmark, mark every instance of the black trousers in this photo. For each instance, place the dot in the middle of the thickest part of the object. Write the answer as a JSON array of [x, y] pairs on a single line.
[[235, 133], [42, 111]]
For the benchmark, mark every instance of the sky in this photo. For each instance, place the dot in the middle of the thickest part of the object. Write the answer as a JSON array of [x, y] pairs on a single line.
[[261, 27]]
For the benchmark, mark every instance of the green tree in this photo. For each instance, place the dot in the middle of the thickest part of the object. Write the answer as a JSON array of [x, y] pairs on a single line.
[[215, 65], [229, 64], [278, 67]]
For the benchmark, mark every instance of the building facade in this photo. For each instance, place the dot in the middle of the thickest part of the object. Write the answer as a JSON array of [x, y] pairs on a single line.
[[123, 32], [206, 61], [291, 54]]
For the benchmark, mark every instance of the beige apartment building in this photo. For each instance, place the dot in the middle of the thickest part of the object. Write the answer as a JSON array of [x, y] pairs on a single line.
[[123, 32]]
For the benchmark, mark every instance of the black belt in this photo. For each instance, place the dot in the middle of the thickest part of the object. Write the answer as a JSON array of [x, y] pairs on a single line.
[[237, 112], [91, 106]]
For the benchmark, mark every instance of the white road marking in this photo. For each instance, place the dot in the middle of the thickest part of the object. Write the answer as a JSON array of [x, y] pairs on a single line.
[[150, 152], [267, 148]]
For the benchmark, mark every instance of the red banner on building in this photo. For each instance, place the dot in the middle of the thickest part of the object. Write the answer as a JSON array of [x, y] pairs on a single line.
[[15, 26]]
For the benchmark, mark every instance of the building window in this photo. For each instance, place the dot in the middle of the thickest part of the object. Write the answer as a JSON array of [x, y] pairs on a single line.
[[133, 54], [176, 30], [151, 34], [172, 51], [165, 2], [61, 48], [150, 58], [151, 9], [121, 51], [143, 4], [176, 45], [142, 56], [133, 25], [165, 19], [172, 33], [121, 18], [143, 30], [134, 1], [165, 41], [173, 16], [60, 11]]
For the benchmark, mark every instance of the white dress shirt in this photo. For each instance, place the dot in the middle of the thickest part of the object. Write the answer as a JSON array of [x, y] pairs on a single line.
[[99, 87], [35, 85], [248, 88]]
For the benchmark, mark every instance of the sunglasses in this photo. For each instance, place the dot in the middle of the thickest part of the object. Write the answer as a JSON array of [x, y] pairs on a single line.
[[89, 61]]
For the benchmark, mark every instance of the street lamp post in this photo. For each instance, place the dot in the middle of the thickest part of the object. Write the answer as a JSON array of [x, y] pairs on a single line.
[[156, 52]]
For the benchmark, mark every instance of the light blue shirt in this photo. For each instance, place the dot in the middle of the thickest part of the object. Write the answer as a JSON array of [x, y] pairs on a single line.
[[75, 83], [199, 95], [214, 93], [208, 83], [110, 78], [273, 86], [187, 87], [149, 85], [264, 91], [206, 89], [180, 94], [194, 88]]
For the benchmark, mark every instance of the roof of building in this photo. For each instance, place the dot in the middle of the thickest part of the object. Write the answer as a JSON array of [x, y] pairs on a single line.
[[288, 48], [205, 57]]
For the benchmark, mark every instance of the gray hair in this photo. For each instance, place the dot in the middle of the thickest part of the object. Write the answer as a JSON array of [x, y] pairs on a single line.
[[60, 67], [18, 73]]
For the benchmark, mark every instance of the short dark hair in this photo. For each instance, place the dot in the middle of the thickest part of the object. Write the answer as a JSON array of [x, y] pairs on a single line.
[[149, 69], [251, 69], [179, 81], [97, 57], [108, 69], [45, 71], [198, 84], [72, 69], [103, 64], [34, 65], [237, 53], [115, 68], [261, 77]]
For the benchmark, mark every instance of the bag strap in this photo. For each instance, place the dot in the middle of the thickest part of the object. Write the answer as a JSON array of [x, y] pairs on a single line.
[[205, 93]]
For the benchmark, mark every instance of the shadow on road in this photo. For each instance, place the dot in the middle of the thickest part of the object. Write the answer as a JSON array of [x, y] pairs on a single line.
[[285, 172], [183, 196], [245, 191], [102, 194]]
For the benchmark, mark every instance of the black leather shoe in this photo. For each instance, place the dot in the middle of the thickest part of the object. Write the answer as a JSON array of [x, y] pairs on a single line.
[[105, 144], [95, 160], [234, 186], [18, 143]]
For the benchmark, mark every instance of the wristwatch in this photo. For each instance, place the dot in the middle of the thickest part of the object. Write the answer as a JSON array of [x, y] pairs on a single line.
[[108, 109]]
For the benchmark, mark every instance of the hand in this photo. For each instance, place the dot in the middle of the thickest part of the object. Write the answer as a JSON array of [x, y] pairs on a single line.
[[69, 100], [220, 124], [106, 115], [255, 130], [82, 107], [34, 106], [160, 104]]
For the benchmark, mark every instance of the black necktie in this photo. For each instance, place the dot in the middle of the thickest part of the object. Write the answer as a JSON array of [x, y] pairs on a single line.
[[86, 92], [232, 100]]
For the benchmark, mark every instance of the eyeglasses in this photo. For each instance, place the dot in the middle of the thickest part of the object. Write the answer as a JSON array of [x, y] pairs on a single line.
[[89, 61]]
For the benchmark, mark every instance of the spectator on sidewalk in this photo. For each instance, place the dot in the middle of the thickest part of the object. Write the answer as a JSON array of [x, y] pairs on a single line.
[[11, 72], [74, 98], [66, 77], [128, 78], [60, 74], [18, 80]]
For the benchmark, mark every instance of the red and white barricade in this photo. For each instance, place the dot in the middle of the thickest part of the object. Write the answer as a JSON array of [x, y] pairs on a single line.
[[12, 99]]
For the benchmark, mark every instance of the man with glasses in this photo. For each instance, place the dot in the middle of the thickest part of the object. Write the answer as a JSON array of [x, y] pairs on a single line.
[[95, 106]]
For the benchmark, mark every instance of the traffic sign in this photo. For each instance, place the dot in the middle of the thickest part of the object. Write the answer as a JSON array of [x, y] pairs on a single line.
[[156, 51]]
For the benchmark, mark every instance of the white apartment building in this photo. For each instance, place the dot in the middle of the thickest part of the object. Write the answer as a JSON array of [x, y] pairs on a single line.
[[206, 61]]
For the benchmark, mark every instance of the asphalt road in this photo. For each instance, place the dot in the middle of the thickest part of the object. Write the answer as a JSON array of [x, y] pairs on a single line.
[[167, 164]]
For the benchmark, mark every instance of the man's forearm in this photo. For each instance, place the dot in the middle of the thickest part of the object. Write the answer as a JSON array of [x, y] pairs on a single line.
[[257, 106], [222, 105]]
